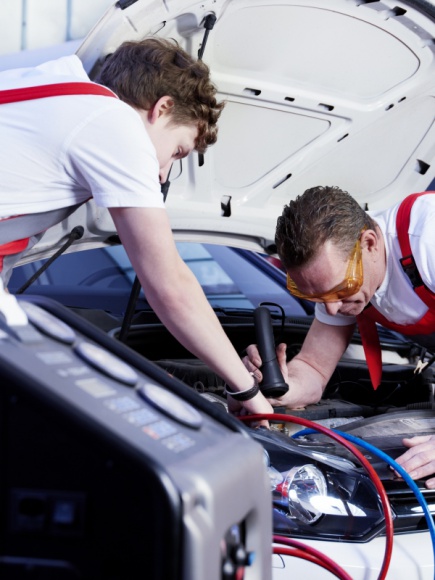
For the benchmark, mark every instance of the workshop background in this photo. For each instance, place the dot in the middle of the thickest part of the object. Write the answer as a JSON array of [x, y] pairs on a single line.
[[35, 24]]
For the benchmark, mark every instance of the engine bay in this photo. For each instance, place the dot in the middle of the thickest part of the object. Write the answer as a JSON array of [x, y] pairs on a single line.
[[349, 395]]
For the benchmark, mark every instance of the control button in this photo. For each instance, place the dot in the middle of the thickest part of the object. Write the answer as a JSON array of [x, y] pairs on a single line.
[[48, 324], [74, 372], [172, 405], [159, 429], [178, 442], [96, 387], [106, 362], [50, 357], [64, 512], [141, 417], [122, 404]]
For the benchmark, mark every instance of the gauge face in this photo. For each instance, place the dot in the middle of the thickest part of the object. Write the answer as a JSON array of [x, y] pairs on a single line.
[[48, 324], [172, 405], [106, 362]]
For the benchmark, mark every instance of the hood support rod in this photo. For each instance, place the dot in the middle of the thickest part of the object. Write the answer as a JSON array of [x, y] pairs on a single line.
[[209, 23], [131, 307], [75, 234]]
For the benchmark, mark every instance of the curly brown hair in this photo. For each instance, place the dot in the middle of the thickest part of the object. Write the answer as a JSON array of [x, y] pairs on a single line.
[[142, 72], [318, 215]]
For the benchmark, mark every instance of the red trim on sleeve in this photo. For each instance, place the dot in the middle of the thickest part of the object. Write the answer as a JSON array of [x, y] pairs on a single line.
[[12, 248]]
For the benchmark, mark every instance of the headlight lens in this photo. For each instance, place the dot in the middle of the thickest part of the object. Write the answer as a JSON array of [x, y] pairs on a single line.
[[317, 495], [303, 486]]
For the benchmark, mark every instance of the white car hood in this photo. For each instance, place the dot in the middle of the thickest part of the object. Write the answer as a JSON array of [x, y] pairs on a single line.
[[318, 92]]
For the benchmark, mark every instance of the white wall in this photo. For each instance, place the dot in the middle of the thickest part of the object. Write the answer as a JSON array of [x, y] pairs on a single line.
[[31, 24]]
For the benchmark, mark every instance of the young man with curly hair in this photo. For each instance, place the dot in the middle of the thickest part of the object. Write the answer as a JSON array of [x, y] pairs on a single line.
[[61, 149]]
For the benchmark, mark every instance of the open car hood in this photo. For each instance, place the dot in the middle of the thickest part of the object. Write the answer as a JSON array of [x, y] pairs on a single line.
[[318, 92]]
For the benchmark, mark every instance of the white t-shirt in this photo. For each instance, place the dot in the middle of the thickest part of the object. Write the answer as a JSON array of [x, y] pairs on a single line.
[[395, 298], [59, 151]]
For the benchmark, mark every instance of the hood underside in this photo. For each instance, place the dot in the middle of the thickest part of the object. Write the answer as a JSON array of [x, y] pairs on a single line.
[[318, 92]]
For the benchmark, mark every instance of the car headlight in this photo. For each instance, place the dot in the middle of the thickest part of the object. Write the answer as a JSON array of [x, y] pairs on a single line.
[[317, 495], [303, 486]]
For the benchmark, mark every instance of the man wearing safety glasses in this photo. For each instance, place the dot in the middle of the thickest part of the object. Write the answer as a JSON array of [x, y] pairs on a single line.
[[358, 269]]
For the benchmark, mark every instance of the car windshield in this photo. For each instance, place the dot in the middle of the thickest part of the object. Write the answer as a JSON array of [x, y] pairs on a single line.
[[232, 279]]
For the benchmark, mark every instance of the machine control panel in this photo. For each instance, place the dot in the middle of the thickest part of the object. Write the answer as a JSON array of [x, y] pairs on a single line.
[[61, 359]]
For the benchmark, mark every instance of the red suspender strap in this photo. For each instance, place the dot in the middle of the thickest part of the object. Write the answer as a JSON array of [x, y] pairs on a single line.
[[402, 223], [403, 220], [55, 90]]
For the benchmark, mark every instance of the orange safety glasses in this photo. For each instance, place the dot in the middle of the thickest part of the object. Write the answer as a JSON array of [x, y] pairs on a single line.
[[350, 285]]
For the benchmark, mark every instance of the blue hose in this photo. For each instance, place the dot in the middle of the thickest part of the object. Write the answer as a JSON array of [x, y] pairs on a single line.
[[390, 461]]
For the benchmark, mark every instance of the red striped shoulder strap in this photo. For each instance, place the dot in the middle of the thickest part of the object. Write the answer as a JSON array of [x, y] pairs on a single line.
[[53, 90], [407, 261]]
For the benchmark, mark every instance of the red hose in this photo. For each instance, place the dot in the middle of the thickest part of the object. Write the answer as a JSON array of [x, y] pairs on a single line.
[[332, 566], [389, 530], [319, 560]]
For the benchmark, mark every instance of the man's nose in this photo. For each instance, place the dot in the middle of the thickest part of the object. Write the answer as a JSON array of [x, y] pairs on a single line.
[[333, 307], [164, 172]]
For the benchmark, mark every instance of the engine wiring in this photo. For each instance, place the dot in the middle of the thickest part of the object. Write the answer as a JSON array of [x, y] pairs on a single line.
[[389, 530]]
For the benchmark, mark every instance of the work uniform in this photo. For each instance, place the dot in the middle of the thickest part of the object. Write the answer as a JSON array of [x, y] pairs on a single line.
[[58, 152], [396, 303]]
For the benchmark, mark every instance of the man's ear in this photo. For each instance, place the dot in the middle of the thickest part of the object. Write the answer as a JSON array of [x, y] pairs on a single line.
[[161, 107], [371, 241]]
